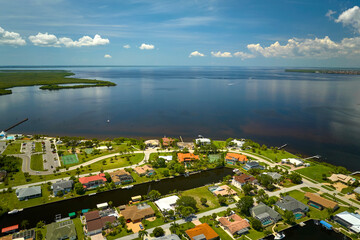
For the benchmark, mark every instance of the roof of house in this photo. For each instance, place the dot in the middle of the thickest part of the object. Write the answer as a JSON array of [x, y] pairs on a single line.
[[224, 190], [85, 180], [202, 140], [239, 143], [236, 156], [169, 237], [291, 204], [167, 141], [99, 223], [89, 216], [167, 158], [62, 184], [357, 190], [294, 161], [60, 230], [263, 210], [10, 228], [341, 177], [351, 218], [204, 229], [320, 200], [152, 142], [188, 145], [252, 164], [115, 176], [166, 203], [187, 157], [274, 175], [237, 225], [134, 213], [28, 192], [244, 178], [143, 170]]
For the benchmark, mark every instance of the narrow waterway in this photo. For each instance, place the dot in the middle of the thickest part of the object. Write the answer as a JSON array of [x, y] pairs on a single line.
[[48, 211]]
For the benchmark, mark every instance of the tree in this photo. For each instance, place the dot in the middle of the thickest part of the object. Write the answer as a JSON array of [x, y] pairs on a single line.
[[186, 201], [78, 171], [166, 173], [158, 232], [186, 211], [40, 224], [174, 227], [221, 199], [262, 196], [214, 215], [108, 225], [295, 178], [79, 188], [108, 177], [256, 224], [247, 188], [244, 204], [39, 235], [289, 217], [24, 224], [142, 234], [153, 195], [203, 201]]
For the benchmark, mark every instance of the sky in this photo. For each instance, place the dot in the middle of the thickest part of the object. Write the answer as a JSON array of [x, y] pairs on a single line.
[[298, 33]]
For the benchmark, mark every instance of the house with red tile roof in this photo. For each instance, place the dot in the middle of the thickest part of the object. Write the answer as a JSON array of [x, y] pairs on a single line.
[[187, 157], [166, 142], [233, 158], [93, 181], [242, 179], [202, 232], [234, 224]]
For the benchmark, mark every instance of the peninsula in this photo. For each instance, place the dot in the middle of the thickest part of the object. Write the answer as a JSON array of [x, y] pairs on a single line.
[[47, 79]]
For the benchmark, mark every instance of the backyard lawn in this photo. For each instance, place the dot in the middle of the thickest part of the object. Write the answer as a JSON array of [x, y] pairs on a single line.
[[38, 147], [12, 148], [315, 172], [276, 157], [37, 162], [202, 192]]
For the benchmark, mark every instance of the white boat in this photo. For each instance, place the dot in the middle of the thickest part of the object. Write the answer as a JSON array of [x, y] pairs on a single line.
[[128, 187], [278, 236], [108, 121], [91, 194], [14, 211], [236, 170]]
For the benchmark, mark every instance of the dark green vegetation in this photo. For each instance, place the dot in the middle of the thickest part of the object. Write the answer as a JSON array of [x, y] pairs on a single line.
[[49, 80], [325, 71]]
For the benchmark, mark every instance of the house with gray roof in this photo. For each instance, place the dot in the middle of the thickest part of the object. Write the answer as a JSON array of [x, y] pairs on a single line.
[[274, 175], [169, 237], [63, 186], [293, 205], [265, 214], [253, 165], [28, 193], [61, 231], [357, 190]]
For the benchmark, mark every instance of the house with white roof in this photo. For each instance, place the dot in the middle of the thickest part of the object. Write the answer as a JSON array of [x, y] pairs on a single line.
[[167, 158], [294, 161], [238, 143], [349, 220], [166, 204], [203, 141]]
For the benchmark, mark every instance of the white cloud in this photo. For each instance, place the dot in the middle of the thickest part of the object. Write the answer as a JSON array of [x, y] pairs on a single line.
[[196, 54], [309, 48], [350, 17], [220, 54], [146, 46], [107, 56], [11, 38], [127, 46], [50, 40], [330, 14], [243, 55]]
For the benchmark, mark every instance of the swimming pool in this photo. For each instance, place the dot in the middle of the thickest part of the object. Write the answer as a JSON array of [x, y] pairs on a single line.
[[298, 216]]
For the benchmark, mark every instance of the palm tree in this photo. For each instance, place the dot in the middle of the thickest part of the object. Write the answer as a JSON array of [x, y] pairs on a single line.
[[142, 234], [24, 224], [174, 226]]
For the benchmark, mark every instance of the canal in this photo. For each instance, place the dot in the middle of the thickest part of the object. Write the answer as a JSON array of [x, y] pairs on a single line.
[[47, 212]]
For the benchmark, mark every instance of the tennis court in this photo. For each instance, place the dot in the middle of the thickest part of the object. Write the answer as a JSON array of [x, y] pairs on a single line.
[[69, 159]]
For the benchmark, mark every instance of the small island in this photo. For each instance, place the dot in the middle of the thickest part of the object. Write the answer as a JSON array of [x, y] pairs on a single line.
[[326, 71], [48, 79]]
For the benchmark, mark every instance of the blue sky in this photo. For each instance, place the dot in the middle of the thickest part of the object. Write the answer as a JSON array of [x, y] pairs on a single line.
[[321, 33]]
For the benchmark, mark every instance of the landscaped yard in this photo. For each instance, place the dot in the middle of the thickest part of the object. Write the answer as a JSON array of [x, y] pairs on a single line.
[[315, 171], [12, 148], [328, 187], [202, 192], [309, 189], [276, 157], [79, 228], [223, 235], [37, 162], [38, 147]]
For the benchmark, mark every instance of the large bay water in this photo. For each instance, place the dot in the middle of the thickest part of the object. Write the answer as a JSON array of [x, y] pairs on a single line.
[[313, 113]]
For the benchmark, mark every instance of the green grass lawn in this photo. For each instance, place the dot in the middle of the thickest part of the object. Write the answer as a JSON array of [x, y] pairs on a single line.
[[220, 144], [198, 193], [276, 157], [327, 187], [38, 147], [79, 228], [223, 235], [37, 162], [287, 183], [347, 190], [307, 189], [315, 172], [48, 78], [12, 148]]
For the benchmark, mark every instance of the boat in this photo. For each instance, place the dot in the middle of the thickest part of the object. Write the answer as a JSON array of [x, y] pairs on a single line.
[[128, 187], [108, 121], [15, 211], [236, 170], [186, 174], [278, 236], [91, 194]]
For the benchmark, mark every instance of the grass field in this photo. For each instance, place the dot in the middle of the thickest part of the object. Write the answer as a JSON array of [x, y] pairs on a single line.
[[69, 159], [12, 148], [79, 228], [200, 192], [276, 157], [327, 187], [37, 162], [48, 79], [308, 189], [315, 172], [38, 147], [220, 144]]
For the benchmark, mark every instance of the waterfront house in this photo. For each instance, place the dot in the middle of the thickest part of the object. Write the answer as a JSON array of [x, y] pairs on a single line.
[[237, 143], [234, 224], [2, 175], [136, 213], [349, 220], [291, 204], [166, 142], [319, 202], [234, 158], [223, 190], [145, 170], [265, 214], [120, 177], [94, 223], [188, 145], [93, 181], [202, 141], [153, 143], [274, 175], [357, 190], [28, 193], [27, 234], [63, 186], [342, 178], [187, 157], [166, 204], [202, 232], [61, 231], [167, 158], [253, 165], [239, 180], [294, 161]]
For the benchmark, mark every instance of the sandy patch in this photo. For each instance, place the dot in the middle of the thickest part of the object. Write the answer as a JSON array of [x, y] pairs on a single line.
[[135, 227], [97, 237], [338, 185], [196, 222]]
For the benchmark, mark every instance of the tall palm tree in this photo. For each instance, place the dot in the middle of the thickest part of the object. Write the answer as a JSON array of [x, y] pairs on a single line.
[[142, 234], [174, 226]]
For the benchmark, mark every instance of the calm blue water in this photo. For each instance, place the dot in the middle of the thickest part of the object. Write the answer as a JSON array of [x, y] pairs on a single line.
[[313, 113]]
